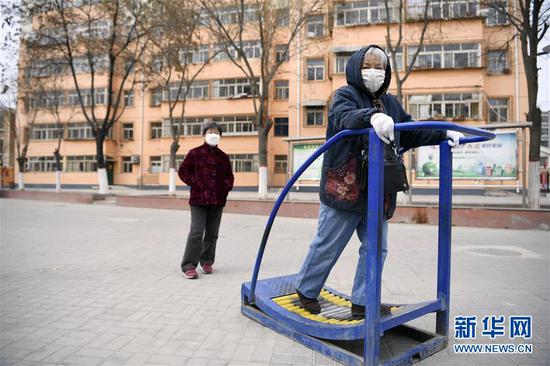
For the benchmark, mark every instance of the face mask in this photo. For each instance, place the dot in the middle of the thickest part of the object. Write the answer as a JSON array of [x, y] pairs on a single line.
[[373, 79], [212, 139]]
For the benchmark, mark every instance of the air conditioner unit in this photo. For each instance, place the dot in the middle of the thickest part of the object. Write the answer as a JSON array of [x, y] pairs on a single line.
[[134, 159], [239, 96]]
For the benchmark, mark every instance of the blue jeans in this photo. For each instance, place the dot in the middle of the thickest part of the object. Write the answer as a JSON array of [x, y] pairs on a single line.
[[334, 231]]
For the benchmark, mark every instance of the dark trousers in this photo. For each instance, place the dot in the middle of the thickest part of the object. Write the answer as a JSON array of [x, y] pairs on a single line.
[[203, 235]]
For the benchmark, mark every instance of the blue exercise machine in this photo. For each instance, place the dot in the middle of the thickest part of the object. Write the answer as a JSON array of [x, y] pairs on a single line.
[[334, 332]]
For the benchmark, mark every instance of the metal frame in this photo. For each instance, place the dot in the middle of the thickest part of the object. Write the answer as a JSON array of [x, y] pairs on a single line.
[[374, 328]]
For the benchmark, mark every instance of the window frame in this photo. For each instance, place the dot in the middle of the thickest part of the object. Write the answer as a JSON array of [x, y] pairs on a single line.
[[315, 69], [318, 110]]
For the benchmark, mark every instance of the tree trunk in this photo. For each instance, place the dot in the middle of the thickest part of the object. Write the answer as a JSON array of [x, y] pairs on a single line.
[[399, 86], [533, 116], [21, 164], [57, 157], [101, 171], [533, 185], [58, 181], [172, 172], [262, 160]]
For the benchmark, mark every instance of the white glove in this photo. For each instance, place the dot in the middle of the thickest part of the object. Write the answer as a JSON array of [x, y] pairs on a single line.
[[383, 125], [455, 138]]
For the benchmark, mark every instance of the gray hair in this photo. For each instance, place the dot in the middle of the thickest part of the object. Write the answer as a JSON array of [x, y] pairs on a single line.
[[378, 53]]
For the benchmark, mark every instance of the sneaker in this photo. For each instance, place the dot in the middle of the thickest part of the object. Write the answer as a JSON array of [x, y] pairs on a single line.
[[191, 274], [311, 305], [358, 311], [207, 268]]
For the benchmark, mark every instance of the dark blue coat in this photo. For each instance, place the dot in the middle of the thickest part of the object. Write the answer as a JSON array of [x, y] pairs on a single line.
[[352, 107]]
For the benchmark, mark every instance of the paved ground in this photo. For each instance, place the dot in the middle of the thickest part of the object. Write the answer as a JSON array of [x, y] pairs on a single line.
[[100, 285]]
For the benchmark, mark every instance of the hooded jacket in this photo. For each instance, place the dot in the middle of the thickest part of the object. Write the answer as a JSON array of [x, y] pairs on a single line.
[[352, 107]]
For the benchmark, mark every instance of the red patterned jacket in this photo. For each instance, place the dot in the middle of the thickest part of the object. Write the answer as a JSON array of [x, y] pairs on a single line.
[[207, 170]]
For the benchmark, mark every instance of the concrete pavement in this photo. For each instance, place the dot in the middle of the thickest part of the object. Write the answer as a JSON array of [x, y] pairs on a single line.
[[100, 285]]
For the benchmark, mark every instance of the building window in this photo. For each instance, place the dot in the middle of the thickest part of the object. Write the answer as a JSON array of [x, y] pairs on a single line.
[[363, 12], [46, 132], [79, 131], [281, 126], [197, 55], [198, 90], [166, 162], [83, 131], [156, 97], [192, 126], [342, 59], [156, 130], [454, 106], [223, 54], [281, 89], [497, 62], [82, 64], [155, 164], [283, 17], [315, 116], [398, 57], [498, 110], [252, 49], [41, 164], [230, 15], [129, 98], [545, 129], [127, 131], [244, 163], [81, 164], [315, 26], [127, 164], [99, 93], [315, 69], [281, 53], [48, 99], [236, 125], [494, 15], [46, 67], [447, 56], [227, 88], [168, 130], [443, 9], [231, 125], [281, 162]]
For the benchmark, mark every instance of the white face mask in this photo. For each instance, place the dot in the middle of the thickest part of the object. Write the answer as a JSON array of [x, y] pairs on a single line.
[[373, 79], [212, 139]]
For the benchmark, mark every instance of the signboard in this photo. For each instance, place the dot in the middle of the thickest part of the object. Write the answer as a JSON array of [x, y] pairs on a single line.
[[494, 159], [300, 153]]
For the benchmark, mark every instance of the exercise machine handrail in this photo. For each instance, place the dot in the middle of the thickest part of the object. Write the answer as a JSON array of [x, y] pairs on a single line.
[[479, 135]]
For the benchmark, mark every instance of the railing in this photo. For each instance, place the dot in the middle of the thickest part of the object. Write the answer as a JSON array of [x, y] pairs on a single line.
[[478, 136]]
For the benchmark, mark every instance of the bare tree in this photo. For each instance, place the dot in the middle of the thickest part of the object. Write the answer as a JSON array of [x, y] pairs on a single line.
[[396, 15], [531, 20], [61, 113], [175, 63], [24, 123], [9, 44], [240, 25], [102, 40]]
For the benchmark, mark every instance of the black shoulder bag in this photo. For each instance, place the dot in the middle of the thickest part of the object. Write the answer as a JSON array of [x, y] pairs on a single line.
[[395, 175]]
